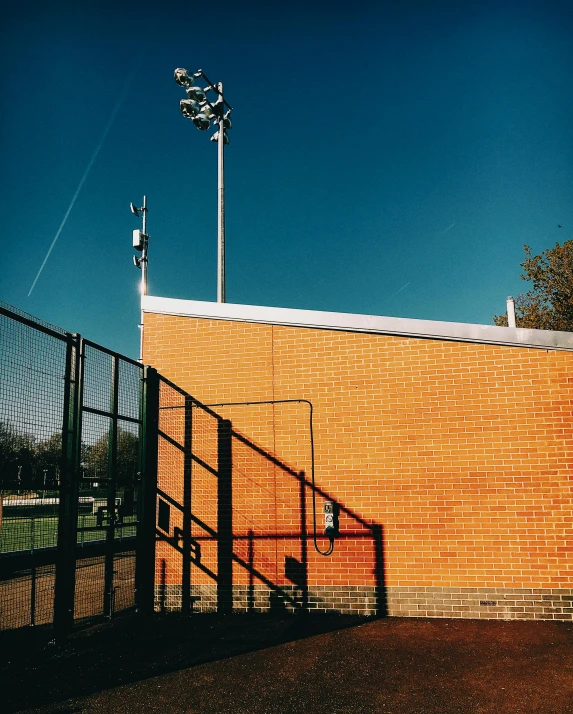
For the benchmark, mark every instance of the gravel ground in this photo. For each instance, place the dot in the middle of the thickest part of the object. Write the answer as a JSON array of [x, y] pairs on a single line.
[[275, 665]]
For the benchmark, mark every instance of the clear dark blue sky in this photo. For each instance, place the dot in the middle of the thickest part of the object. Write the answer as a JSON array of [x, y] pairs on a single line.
[[386, 158]]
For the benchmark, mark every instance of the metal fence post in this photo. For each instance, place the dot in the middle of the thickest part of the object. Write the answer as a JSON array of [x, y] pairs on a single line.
[[225, 517], [147, 497], [186, 541], [108, 587], [68, 511]]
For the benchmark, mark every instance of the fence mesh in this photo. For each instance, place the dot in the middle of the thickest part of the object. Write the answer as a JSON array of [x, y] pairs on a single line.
[[32, 387], [13, 312], [35, 377], [89, 595], [27, 597], [107, 507]]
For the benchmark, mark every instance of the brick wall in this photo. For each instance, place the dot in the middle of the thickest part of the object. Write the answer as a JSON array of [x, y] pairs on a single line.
[[451, 464]]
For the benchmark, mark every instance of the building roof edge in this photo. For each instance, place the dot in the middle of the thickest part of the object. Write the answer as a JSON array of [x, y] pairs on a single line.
[[349, 322]]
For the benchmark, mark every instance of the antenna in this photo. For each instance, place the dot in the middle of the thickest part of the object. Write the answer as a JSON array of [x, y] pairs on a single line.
[[140, 243]]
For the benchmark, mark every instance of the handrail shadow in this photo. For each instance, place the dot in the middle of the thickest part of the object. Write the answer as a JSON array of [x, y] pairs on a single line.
[[203, 538], [207, 539]]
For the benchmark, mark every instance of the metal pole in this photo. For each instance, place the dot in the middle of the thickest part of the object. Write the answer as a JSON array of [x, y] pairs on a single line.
[[144, 251], [510, 312], [221, 210], [147, 495], [109, 552], [64, 589], [143, 275]]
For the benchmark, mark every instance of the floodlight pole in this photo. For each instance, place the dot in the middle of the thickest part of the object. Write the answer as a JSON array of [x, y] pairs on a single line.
[[221, 297], [193, 108]]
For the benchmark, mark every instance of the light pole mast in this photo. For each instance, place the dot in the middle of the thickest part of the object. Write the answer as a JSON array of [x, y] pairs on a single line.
[[221, 282], [202, 112]]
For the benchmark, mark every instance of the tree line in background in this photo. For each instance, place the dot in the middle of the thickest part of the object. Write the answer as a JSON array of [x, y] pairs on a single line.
[[28, 463], [549, 303]]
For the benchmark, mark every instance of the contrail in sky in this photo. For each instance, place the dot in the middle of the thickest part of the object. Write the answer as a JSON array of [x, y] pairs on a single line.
[[400, 290], [88, 167], [448, 228]]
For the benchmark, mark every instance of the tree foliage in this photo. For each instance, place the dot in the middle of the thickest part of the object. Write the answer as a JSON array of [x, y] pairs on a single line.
[[26, 462], [49, 455], [96, 458], [549, 303], [17, 454]]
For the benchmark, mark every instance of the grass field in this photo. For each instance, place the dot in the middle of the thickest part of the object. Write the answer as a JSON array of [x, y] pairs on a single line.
[[31, 533]]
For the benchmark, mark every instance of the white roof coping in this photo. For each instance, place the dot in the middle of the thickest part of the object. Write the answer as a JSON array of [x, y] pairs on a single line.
[[348, 322]]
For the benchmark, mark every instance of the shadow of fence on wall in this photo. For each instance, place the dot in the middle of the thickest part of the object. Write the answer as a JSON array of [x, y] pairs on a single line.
[[235, 532]]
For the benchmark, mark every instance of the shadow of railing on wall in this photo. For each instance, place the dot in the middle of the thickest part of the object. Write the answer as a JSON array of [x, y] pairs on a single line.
[[233, 530]]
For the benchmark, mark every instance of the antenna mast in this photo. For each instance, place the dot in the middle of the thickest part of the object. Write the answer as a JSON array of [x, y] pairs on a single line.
[[141, 243]]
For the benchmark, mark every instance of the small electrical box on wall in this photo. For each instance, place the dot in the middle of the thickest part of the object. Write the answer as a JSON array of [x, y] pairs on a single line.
[[331, 518]]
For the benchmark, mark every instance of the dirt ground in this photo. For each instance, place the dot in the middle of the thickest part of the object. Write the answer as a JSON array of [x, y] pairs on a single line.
[[275, 665]]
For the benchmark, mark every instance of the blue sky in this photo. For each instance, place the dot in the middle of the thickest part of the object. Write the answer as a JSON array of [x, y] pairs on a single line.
[[385, 158]]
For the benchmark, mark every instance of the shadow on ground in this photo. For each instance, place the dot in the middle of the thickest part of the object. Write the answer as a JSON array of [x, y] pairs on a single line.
[[38, 670], [283, 665]]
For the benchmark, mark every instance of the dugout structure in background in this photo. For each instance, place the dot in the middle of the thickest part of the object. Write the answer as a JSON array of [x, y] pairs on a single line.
[[447, 449]]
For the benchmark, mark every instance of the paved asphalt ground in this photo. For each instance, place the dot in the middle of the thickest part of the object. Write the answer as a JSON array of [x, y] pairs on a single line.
[[276, 664]]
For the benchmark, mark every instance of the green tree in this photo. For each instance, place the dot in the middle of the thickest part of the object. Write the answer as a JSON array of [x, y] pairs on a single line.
[[96, 460], [17, 457], [49, 458], [549, 303]]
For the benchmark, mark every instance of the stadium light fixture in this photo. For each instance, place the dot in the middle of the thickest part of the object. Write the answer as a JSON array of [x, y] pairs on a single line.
[[215, 137], [202, 122], [189, 108], [182, 78], [202, 113], [196, 93]]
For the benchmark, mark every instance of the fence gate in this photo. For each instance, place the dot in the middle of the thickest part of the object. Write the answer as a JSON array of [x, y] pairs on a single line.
[[108, 481], [77, 428]]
